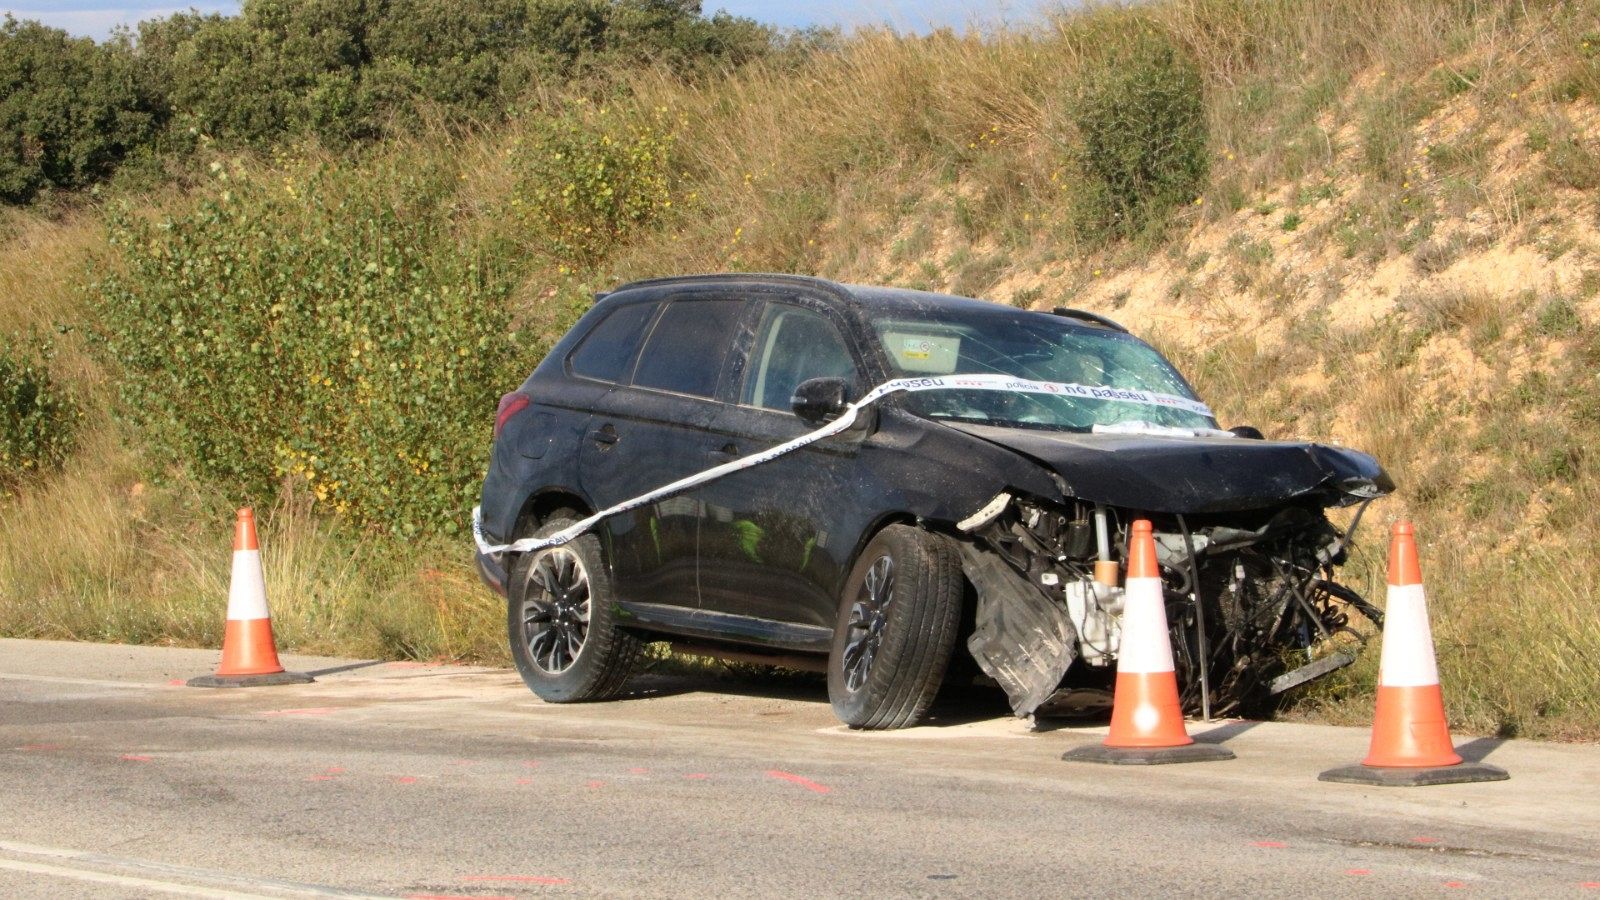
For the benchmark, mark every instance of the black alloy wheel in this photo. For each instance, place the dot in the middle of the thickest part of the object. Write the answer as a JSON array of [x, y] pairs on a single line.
[[561, 618], [898, 619]]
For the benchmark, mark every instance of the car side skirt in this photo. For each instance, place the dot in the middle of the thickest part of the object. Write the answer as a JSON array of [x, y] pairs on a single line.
[[700, 623]]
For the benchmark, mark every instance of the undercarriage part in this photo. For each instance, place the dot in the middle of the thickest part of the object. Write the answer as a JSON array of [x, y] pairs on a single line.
[[1310, 672], [1074, 702], [800, 662], [1023, 639]]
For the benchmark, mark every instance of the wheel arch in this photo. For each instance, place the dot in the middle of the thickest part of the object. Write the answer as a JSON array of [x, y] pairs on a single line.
[[540, 504]]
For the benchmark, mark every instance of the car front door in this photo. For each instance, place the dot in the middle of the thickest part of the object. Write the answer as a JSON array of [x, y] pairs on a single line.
[[775, 537], [650, 430]]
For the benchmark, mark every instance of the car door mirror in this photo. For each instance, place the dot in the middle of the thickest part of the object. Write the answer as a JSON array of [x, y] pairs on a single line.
[[819, 400], [1248, 431]]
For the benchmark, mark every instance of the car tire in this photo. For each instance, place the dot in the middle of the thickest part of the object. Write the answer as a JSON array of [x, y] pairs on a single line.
[[562, 621], [893, 641]]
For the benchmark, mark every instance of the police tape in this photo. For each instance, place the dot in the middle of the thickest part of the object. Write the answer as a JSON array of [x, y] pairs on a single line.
[[841, 424]]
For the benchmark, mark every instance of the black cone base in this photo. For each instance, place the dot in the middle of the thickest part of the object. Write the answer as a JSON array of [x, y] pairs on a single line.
[[1462, 773], [1146, 756], [267, 680]]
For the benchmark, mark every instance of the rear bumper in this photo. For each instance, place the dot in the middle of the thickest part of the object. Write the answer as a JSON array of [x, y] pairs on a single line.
[[490, 571]]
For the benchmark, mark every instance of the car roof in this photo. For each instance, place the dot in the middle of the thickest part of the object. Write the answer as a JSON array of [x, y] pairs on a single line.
[[871, 297]]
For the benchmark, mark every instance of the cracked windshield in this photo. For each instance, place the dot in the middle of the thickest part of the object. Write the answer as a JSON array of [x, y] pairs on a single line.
[[971, 343]]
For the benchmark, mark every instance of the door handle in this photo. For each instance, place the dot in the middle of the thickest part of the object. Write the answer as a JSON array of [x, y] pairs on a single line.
[[604, 436], [728, 449]]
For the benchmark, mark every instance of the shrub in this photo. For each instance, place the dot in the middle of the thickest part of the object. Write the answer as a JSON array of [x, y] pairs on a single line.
[[70, 110], [36, 417], [1140, 114], [331, 326], [587, 175]]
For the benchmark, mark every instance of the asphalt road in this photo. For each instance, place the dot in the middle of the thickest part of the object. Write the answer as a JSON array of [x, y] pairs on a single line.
[[420, 781]]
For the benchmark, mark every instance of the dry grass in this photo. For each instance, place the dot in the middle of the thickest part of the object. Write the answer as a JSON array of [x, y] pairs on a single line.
[[125, 560]]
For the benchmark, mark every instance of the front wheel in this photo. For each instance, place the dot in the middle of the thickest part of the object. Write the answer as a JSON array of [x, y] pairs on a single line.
[[561, 618], [897, 623]]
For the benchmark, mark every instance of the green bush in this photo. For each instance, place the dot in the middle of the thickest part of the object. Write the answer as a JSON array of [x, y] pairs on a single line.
[[333, 325], [70, 110], [345, 71], [1140, 115], [587, 175], [37, 418], [340, 72]]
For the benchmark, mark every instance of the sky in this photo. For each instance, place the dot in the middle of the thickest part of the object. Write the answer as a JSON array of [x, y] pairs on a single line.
[[96, 18]]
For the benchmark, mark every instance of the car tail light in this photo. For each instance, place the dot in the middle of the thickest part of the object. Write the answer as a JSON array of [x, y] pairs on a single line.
[[510, 405]]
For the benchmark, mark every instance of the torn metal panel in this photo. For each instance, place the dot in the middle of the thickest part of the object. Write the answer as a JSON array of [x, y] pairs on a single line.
[[1023, 639]]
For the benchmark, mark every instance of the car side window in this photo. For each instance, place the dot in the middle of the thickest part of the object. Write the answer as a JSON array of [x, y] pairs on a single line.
[[792, 345], [685, 351], [605, 353]]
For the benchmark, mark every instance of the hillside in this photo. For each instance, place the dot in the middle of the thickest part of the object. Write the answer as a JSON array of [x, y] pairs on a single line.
[[1370, 222]]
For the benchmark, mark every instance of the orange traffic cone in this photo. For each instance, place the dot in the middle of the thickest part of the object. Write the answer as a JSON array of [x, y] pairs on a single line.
[[1410, 739], [249, 655], [1146, 718]]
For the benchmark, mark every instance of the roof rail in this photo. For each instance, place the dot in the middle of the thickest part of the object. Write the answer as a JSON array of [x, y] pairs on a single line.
[[1083, 315]]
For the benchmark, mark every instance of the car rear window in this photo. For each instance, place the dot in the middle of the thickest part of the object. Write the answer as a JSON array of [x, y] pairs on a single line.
[[606, 352], [685, 351]]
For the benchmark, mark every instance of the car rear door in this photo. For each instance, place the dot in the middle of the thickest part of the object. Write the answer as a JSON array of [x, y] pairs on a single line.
[[650, 430], [775, 537]]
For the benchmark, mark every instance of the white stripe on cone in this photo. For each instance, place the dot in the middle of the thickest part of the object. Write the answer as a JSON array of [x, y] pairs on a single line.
[[247, 593], [1146, 644], [1407, 659]]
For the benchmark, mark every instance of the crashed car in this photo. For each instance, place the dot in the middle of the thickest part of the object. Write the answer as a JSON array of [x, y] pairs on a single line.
[[871, 481]]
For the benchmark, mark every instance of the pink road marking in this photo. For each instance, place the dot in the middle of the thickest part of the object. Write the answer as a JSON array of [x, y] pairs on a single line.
[[518, 879], [596, 784], [307, 711], [638, 770], [405, 779], [804, 782], [176, 682], [1590, 885], [1270, 844], [1424, 840], [1455, 884], [135, 757], [335, 770], [524, 781], [37, 747], [697, 776], [1358, 871]]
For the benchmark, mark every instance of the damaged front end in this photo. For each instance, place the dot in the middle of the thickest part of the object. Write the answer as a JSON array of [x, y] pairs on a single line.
[[1252, 601]]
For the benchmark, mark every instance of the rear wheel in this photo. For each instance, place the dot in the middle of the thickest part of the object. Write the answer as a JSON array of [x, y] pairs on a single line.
[[561, 619], [898, 620]]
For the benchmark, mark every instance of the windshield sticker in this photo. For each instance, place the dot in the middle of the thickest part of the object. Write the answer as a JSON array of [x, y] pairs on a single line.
[[843, 423], [932, 354]]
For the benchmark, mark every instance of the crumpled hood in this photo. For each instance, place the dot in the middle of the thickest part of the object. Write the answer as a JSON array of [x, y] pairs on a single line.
[[1193, 475]]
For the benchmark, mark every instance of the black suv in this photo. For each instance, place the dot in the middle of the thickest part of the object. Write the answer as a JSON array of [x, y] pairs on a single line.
[[949, 511]]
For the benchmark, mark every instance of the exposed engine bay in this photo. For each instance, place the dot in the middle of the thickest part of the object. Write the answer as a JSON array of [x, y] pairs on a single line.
[[1252, 601]]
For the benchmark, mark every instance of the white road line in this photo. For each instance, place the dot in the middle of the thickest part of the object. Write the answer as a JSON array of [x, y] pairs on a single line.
[[85, 866], [124, 881]]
